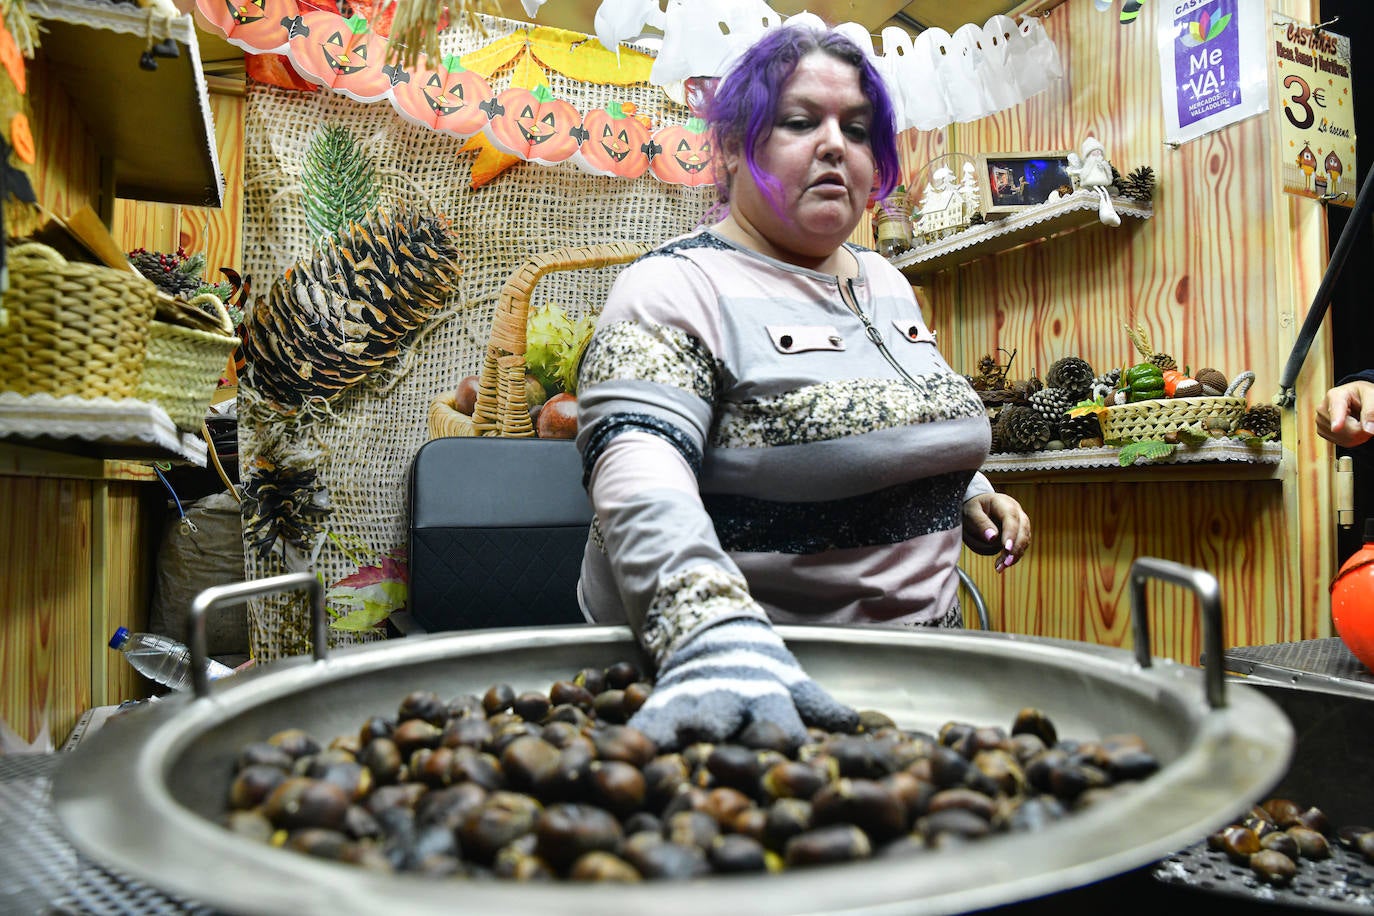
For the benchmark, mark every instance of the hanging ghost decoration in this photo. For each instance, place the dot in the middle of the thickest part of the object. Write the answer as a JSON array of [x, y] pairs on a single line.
[[999, 89], [704, 37], [620, 21]]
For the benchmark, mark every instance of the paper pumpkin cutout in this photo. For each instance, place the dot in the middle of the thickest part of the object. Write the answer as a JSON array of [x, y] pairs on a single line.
[[254, 25], [614, 142], [343, 54], [532, 124], [683, 154], [448, 98]]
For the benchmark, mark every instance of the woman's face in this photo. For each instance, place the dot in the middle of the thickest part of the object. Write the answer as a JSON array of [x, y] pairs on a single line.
[[819, 151]]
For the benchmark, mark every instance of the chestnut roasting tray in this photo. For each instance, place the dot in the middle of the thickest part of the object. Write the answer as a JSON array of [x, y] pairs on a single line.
[[145, 793]]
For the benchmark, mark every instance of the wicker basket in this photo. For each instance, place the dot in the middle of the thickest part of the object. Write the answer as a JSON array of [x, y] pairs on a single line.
[[503, 407], [184, 364], [73, 328], [1157, 418], [445, 419]]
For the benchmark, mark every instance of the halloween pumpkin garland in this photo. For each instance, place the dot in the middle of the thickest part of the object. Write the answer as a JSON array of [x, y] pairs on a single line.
[[351, 56]]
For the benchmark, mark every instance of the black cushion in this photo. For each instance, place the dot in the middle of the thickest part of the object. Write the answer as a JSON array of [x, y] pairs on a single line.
[[497, 530]]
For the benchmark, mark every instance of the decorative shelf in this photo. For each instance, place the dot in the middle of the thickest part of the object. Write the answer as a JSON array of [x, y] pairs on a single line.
[[1215, 459], [1030, 225], [126, 430], [154, 126]]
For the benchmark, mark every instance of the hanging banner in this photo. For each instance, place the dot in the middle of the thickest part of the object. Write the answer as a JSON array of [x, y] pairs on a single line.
[[1317, 111], [1212, 65]]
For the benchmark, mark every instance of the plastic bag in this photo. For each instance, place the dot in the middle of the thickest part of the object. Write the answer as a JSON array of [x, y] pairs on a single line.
[[203, 550]]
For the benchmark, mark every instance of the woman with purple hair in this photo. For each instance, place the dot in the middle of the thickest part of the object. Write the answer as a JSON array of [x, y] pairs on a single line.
[[768, 431]]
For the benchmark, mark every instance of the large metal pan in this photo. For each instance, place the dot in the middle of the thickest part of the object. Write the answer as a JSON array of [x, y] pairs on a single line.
[[143, 794]]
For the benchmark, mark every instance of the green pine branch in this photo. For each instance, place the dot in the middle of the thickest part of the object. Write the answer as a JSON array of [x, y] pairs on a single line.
[[338, 182]]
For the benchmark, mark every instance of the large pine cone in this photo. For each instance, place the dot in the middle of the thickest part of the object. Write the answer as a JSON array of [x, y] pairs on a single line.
[[1071, 373], [341, 315], [1075, 429], [1021, 429]]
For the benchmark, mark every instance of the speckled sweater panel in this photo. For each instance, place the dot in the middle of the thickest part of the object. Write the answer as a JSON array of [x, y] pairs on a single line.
[[785, 455]]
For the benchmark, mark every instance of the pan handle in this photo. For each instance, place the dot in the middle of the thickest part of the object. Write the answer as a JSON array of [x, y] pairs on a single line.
[[219, 595], [1208, 592]]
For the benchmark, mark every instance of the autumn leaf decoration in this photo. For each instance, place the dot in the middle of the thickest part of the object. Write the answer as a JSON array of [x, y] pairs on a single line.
[[364, 600]]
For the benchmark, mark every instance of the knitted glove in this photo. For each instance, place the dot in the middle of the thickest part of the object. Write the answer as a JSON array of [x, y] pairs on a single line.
[[728, 676]]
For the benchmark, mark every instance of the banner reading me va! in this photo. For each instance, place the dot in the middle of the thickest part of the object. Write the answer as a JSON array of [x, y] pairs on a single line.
[[1212, 65]]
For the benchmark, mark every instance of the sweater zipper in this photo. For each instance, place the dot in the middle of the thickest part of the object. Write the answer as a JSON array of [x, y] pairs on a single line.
[[852, 300]]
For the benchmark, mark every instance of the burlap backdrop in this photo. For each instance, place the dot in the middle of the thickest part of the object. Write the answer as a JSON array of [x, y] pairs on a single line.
[[362, 447]]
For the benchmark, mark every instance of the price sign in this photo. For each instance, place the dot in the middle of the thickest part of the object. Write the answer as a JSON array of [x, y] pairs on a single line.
[[1316, 113]]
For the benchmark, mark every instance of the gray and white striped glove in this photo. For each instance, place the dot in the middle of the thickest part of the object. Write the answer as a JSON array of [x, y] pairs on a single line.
[[728, 676]]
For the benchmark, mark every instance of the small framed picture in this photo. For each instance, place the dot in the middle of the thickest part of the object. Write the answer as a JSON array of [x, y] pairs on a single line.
[[1011, 182]]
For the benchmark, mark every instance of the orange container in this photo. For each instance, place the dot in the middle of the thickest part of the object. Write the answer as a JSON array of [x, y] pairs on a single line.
[[1352, 600]]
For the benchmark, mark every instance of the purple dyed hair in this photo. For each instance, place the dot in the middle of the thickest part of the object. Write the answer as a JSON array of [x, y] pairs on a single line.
[[744, 103]]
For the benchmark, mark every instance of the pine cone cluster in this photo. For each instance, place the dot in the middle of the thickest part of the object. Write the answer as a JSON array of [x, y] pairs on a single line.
[[1052, 405], [176, 274], [1261, 421], [339, 315], [1139, 184], [1073, 374], [1020, 429]]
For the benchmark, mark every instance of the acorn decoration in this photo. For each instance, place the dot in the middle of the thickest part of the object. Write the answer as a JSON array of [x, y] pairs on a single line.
[[1213, 382]]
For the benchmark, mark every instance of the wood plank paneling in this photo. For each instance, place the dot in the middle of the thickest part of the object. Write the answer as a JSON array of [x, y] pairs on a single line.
[[45, 537], [1220, 276]]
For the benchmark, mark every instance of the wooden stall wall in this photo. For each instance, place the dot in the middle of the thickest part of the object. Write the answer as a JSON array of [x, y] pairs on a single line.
[[217, 233], [79, 536], [1221, 276]]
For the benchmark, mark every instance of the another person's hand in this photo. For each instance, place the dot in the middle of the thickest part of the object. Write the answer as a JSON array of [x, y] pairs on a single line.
[[728, 676], [996, 523], [1346, 415]]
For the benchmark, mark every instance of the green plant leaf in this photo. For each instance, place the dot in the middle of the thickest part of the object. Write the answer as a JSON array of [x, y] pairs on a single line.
[[1193, 435], [1148, 449], [338, 182]]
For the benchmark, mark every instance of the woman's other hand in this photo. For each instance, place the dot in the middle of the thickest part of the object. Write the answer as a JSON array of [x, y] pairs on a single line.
[[1346, 415], [996, 523]]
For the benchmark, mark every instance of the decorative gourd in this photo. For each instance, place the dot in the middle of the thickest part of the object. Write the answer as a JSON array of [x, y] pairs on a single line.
[[447, 98], [683, 154], [532, 124], [254, 25], [343, 54], [616, 142]]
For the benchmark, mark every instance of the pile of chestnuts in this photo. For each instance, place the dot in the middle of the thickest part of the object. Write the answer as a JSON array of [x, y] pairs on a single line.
[[1276, 836], [555, 786]]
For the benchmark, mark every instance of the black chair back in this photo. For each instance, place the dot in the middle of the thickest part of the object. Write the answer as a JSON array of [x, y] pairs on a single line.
[[497, 530]]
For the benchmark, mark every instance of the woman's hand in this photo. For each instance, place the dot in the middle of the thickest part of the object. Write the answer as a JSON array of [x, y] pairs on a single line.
[[996, 523], [729, 676], [1346, 415]]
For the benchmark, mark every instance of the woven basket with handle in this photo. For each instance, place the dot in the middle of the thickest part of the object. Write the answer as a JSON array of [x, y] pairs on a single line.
[[1156, 418], [73, 328], [503, 407], [184, 363]]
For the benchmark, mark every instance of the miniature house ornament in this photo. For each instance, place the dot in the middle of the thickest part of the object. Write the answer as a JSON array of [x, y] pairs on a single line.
[[1095, 172]]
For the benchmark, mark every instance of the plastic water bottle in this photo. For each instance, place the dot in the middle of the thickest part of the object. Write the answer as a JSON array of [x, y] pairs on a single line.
[[161, 658]]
